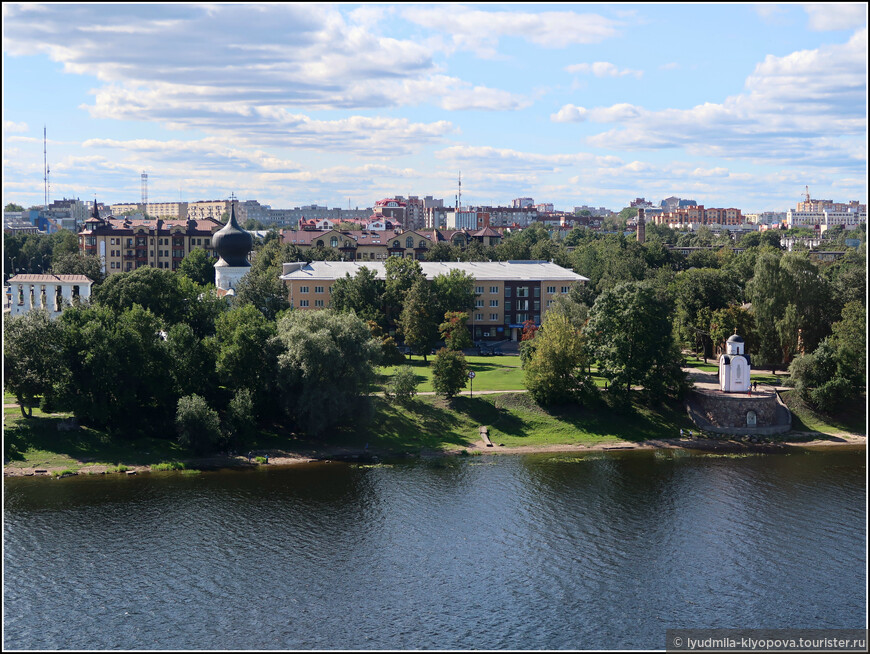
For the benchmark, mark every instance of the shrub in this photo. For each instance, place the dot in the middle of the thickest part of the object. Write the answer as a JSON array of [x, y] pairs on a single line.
[[831, 395], [449, 372], [404, 384], [260, 459], [170, 465], [197, 424]]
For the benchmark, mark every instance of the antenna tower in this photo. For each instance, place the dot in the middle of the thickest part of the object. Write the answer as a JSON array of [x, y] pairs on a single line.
[[144, 185], [807, 193], [459, 197]]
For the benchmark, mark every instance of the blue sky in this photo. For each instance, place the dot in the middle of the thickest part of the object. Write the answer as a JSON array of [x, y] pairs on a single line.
[[733, 105]]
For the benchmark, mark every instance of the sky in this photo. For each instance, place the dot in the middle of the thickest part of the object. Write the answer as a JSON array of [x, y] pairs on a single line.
[[733, 105]]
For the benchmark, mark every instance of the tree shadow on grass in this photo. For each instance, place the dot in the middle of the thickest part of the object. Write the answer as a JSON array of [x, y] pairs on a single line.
[[482, 411], [83, 444]]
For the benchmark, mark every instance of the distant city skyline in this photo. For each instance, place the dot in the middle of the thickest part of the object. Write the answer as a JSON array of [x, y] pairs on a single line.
[[732, 105]]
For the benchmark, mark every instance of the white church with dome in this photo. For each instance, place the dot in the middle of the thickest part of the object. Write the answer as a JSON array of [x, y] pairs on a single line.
[[734, 367]]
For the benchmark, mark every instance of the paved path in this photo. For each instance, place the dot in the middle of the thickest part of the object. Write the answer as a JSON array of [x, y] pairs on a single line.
[[709, 381]]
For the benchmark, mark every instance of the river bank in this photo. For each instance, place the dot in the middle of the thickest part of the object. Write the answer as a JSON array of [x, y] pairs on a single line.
[[800, 441]]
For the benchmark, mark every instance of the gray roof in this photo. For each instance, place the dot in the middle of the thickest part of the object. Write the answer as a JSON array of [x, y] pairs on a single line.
[[480, 270], [735, 339]]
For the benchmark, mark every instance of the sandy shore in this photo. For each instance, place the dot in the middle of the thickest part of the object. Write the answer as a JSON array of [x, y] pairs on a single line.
[[282, 458]]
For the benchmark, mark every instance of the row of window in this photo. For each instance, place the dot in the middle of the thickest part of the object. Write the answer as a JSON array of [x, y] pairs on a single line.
[[140, 241], [304, 303], [317, 289]]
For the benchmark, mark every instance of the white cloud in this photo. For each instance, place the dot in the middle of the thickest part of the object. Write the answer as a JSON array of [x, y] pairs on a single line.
[[603, 69], [569, 114], [479, 31], [12, 127], [806, 106], [837, 15]]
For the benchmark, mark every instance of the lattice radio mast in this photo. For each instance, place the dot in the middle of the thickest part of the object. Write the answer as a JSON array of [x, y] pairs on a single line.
[[46, 171], [144, 185]]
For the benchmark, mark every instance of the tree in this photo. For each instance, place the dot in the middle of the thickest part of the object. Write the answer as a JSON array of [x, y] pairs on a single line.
[[418, 321], [192, 362], [325, 369], [241, 419], [13, 207], [556, 372], [117, 365], [79, 264], [198, 425], [198, 267], [400, 275], [154, 289], [403, 386], [630, 334], [733, 319], [449, 372], [362, 294], [390, 355], [765, 292], [263, 290], [453, 291], [698, 292], [454, 331], [31, 346], [849, 337], [245, 352]]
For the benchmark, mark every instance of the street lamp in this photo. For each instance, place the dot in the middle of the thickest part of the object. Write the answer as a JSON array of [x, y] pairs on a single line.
[[471, 379]]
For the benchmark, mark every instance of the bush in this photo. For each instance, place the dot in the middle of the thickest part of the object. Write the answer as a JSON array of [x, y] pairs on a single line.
[[830, 396], [404, 384], [171, 465], [197, 424], [449, 372]]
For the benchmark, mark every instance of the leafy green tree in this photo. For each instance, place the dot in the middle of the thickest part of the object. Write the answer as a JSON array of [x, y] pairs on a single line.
[[766, 293], [325, 369], [418, 321], [263, 290], [192, 362], [198, 425], [570, 306], [453, 291], [557, 370], [154, 289], [362, 294], [443, 252], [849, 337], [454, 331], [118, 369], [198, 266], [31, 347], [390, 355], [733, 319], [79, 264], [449, 372], [630, 333], [403, 386], [697, 293], [241, 419], [400, 275], [13, 207], [246, 353]]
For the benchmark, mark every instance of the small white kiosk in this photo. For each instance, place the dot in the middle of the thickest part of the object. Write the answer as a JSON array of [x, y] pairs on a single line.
[[734, 367]]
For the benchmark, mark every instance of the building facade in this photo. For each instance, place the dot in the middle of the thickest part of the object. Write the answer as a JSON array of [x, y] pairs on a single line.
[[124, 244], [507, 293], [50, 292]]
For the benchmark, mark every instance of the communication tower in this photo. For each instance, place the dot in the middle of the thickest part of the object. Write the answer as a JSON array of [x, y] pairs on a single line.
[[46, 170], [144, 185]]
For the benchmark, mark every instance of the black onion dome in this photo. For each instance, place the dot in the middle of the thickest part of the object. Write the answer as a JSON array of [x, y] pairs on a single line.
[[735, 339], [232, 243]]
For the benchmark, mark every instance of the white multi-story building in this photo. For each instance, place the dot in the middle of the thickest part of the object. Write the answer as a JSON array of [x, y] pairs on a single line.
[[464, 218], [522, 203], [825, 219]]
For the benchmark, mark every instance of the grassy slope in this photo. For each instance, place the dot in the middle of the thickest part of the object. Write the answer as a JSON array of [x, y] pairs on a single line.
[[853, 419]]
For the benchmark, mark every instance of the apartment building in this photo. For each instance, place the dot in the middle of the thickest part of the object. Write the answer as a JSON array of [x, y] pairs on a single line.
[[205, 209], [692, 216], [127, 244], [508, 293]]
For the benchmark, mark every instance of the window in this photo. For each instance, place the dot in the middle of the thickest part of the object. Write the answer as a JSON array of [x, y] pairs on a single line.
[[333, 242], [318, 303], [493, 303], [318, 289], [537, 291], [549, 303], [523, 291], [507, 291], [551, 289], [303, 303], [478, 303], [493, 290], [564, 289], [303, 289], [479, 290], [478, 316], [537, 305], [409, 242], [395, 244], [493, 316]]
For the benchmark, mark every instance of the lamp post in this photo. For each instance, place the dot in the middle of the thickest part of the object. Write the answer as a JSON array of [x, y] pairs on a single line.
[[471, 379]]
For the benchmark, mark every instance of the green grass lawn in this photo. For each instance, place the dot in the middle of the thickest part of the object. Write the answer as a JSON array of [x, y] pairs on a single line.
[[694, 362], [430, 422], [852, 419], [495, 373], [37, 443]]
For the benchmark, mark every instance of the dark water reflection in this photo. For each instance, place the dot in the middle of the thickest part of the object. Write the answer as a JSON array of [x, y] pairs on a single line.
[[531, 552]]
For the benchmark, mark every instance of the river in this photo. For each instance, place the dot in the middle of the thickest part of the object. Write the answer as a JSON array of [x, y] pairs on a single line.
[[491, 552]]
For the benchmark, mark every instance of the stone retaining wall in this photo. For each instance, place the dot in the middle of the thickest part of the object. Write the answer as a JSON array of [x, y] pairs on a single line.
[[722, 413]]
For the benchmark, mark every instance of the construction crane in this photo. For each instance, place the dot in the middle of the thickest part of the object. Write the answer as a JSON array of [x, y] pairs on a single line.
[[807, 193]]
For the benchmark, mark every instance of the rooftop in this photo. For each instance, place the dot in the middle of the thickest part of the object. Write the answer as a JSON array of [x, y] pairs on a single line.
[[481, 270]]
